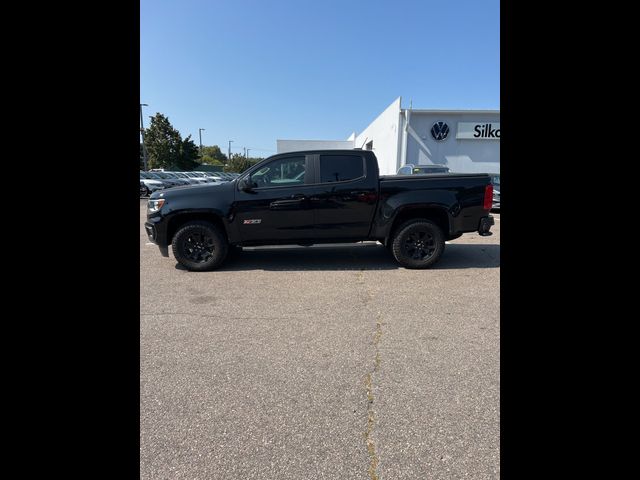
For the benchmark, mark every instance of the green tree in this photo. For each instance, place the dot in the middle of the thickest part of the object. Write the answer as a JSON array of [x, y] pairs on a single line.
[[208, 160], [239, 163], [214, 153], [188, 156], [164, 143]]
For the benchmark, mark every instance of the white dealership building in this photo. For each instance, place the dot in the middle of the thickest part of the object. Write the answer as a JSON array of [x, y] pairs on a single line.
[[466, 141]]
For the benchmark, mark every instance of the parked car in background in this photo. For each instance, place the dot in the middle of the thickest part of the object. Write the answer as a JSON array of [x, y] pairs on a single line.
[[171, 174], [411, 169], [214, 176], [192, 181], [199, 177], [154, 176], [174, 180], [150, 184]]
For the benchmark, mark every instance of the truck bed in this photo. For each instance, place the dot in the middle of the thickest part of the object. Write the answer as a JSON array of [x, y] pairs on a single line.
[[460, 194]]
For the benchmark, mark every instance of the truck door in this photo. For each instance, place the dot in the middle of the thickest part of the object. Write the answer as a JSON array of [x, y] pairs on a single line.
[[345, 197], [277, 207]]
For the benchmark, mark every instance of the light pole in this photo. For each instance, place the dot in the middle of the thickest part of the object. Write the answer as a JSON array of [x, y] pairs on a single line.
[[229, 151], [248, 152], [200, 133], [245, 151], [144, 147]]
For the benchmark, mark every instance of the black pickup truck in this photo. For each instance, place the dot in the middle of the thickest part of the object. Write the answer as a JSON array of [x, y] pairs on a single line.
[[328, 196]]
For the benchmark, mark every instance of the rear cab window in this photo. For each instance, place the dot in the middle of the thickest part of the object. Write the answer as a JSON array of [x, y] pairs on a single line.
[[340, 168]]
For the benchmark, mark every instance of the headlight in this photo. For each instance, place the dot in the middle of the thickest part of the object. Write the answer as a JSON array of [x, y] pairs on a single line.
[[154, 205]]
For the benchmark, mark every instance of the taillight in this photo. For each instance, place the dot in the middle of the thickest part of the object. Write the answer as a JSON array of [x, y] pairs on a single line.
[[488, 197]]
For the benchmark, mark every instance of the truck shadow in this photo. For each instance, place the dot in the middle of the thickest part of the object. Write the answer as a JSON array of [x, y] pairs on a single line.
[[353, 257]]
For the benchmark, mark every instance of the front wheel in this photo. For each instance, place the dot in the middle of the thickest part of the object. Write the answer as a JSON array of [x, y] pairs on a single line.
[[418, 243], [199, 246]]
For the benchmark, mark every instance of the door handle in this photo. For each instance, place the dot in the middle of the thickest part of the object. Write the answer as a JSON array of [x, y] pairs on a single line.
[[292, 202]]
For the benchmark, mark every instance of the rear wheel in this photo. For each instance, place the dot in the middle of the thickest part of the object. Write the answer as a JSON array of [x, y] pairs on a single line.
[[418, 243], [199, 246]]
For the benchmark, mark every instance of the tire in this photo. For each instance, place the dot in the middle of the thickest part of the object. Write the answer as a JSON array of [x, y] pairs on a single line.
[[418, 243], [199, 246]]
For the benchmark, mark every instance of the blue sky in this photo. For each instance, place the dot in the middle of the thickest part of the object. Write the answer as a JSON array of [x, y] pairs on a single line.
[[254, 71]]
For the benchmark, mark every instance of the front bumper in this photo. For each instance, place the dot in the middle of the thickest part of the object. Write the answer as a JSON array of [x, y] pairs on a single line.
[[151, 231], [484, 227], [157, 235]]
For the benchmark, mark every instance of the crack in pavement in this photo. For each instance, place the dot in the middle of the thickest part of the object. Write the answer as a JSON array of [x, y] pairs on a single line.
[[368, 384], [194, 314], [371, 417]]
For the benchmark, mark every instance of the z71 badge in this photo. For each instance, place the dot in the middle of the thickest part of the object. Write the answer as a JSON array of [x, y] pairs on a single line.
[[252, 221]]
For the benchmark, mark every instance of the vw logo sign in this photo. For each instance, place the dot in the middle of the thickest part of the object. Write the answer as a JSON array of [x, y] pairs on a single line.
[[440, 130]]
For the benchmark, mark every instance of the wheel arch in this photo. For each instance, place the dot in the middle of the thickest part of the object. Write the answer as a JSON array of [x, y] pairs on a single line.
[[436, 214]]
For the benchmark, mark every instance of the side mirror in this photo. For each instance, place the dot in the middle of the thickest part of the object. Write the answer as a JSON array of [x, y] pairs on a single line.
[[245, 184]]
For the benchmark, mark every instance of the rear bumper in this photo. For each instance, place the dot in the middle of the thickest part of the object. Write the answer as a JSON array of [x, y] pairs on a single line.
[[484, 226]]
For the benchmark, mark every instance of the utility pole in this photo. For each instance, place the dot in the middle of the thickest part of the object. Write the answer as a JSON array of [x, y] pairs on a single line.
[[144, 147], [200, 133], [229, 155]]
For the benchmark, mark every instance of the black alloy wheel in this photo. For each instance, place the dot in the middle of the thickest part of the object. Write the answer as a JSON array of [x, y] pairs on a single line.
[[418, 243], [199, 246]]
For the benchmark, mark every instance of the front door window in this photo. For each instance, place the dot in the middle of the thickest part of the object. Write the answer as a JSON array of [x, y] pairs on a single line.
[[287, 172]]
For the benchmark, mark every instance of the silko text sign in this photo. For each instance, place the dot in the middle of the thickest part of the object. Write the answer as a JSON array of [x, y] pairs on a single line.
[[478, 130]]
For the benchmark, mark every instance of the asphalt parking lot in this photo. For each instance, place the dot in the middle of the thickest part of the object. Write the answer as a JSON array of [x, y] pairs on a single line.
[[321, 362]]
